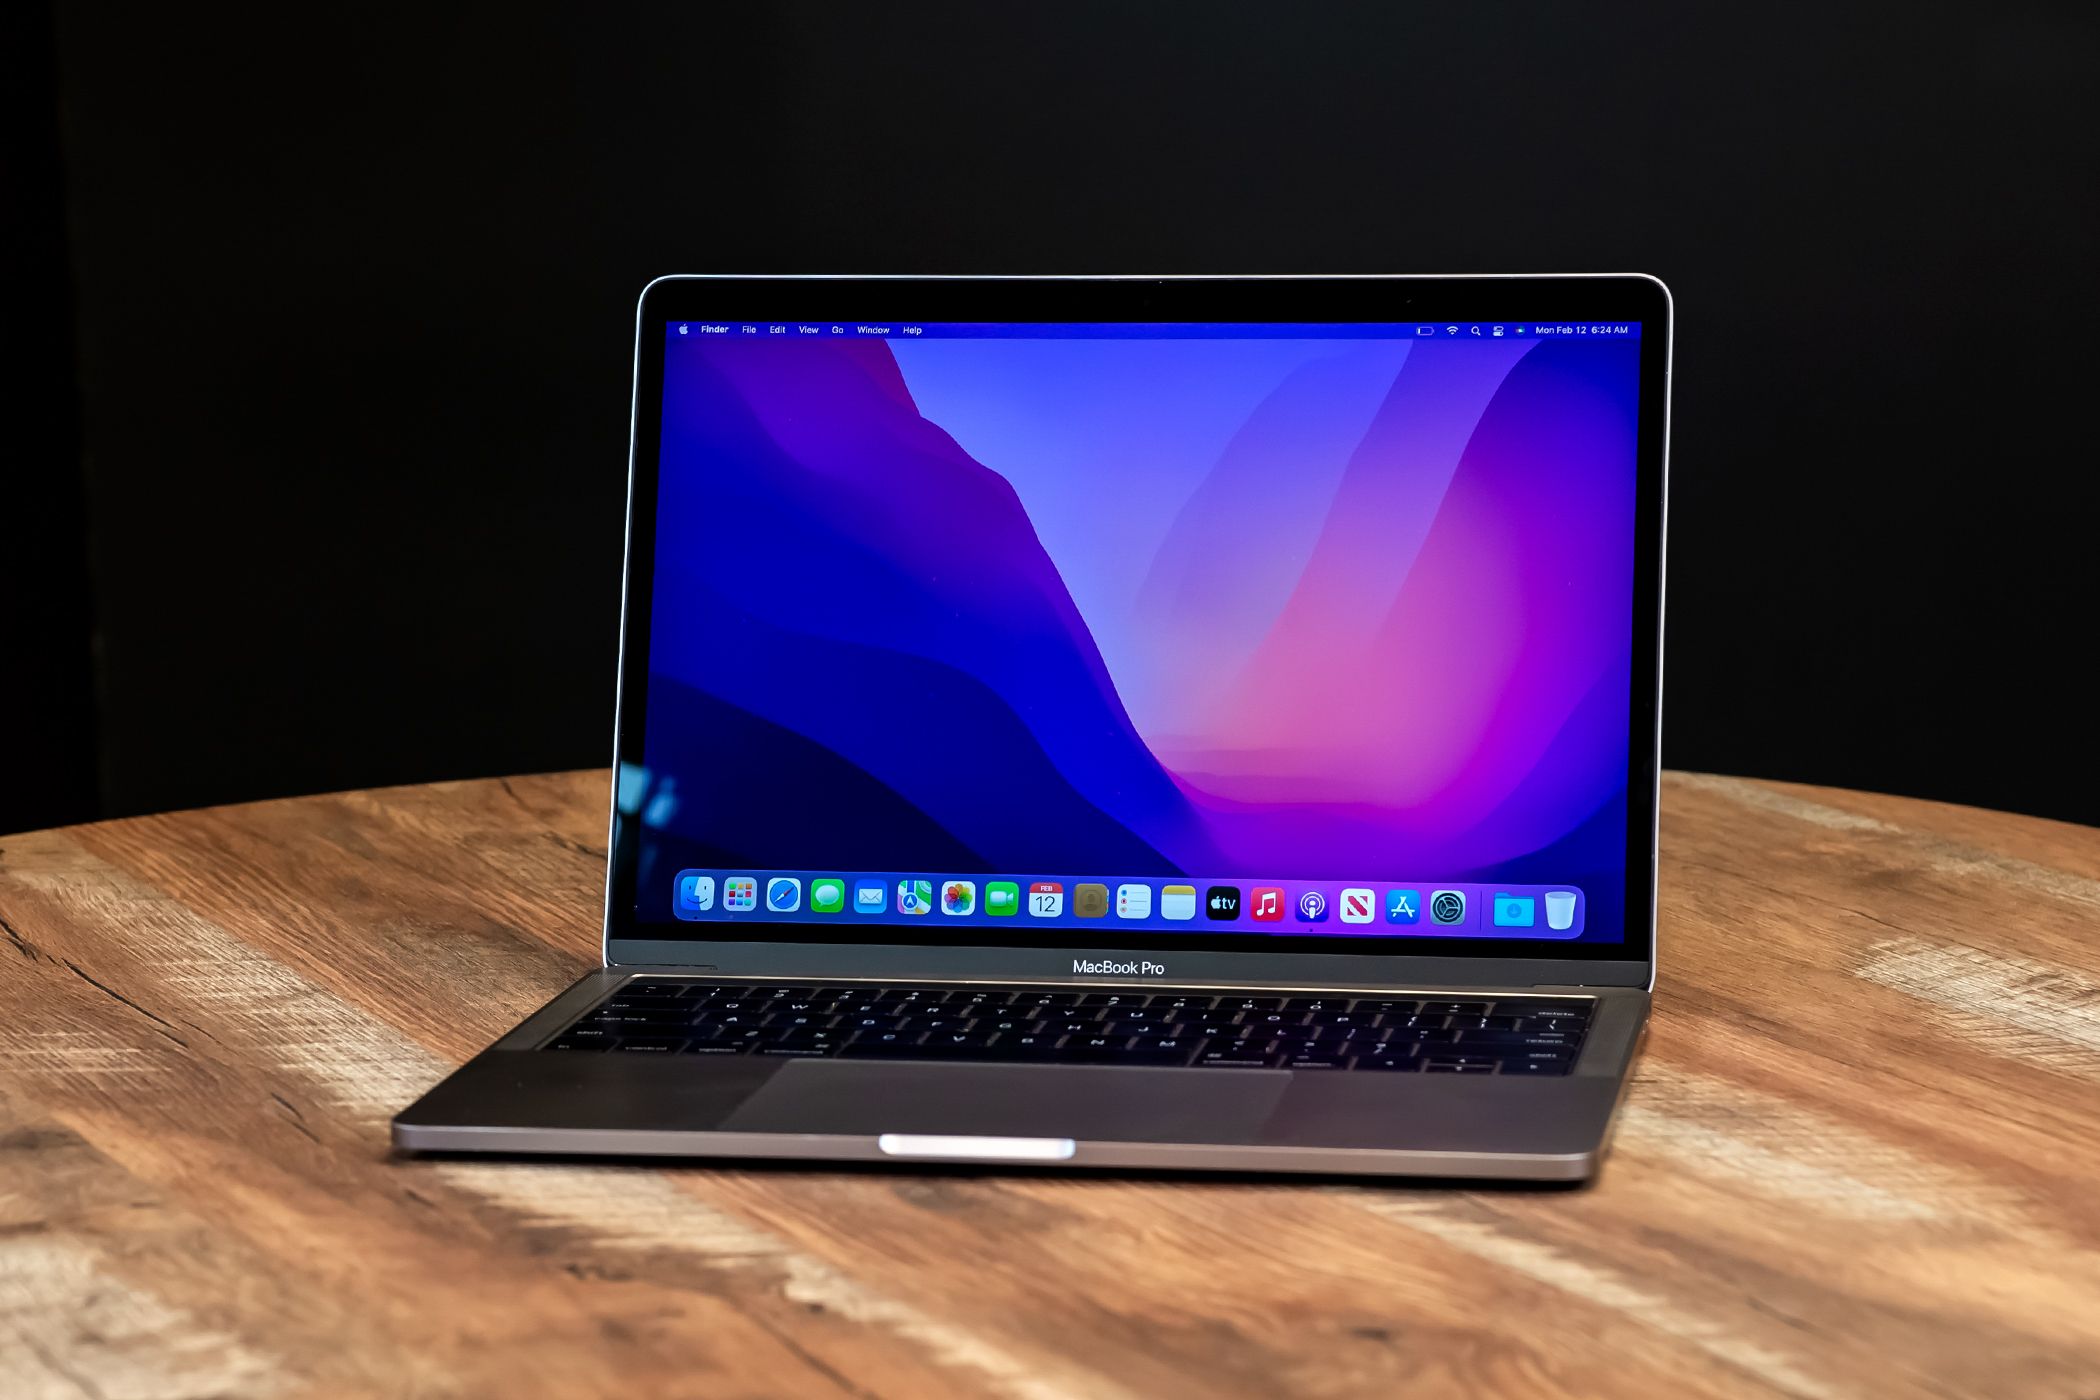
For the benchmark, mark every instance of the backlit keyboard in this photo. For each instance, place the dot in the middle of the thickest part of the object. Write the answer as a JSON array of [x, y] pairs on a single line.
[[1524, 1035]]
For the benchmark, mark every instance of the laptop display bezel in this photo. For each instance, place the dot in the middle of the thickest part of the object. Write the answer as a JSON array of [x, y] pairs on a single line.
[[847, 949]]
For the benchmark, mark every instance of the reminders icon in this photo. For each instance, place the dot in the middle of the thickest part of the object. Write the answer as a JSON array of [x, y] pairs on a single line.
[[1177, 902]]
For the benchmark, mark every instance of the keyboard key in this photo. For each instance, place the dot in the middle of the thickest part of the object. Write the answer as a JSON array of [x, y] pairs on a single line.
[[1182, 1003], [790, 1021], [663, 1006], [1114, 999], [899, 1050], [1274, 1018], [943, 1040], [1396, 1059], [935, 1023], [671, 1015], [1318, 1059], [886, 1038], [713, 1030], [585, 1038], [1571, 1010], [1535, 1040], [1484, 1023], [1537, 1068], [651, 987], [719, 1017], [1413, 1022], [651, 1045], [715, 1047], [1033, 998], [1454, 1008], [1130, 1058], [1316, 1004], [1462, 1062], [1385, 1006], [806, 1035], [1232, 1058]]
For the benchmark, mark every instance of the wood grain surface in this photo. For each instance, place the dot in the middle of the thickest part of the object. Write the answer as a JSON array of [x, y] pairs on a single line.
[[1859, 1157]]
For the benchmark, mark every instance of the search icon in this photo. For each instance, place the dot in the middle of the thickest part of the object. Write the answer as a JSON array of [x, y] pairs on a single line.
[[1476, 330]]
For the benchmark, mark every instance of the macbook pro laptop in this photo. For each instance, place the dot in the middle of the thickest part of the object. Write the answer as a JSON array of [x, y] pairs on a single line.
[[1138, 722]]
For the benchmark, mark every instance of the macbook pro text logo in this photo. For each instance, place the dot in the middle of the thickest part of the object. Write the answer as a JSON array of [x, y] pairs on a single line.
[[1106, 967]]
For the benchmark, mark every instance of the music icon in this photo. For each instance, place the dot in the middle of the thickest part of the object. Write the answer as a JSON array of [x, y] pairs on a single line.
[[1267, 903]]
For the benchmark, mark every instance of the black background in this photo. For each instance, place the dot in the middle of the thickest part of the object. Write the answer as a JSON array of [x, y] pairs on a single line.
[[318, 330]]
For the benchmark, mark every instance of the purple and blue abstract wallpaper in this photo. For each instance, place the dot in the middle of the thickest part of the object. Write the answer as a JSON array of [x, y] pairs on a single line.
[[1282, 608]]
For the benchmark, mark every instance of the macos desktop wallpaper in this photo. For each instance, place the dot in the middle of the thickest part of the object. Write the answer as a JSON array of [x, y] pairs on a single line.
[[1121, 603]]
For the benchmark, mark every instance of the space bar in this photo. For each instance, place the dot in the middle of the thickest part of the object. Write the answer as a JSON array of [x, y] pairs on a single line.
[[1012, 1055]]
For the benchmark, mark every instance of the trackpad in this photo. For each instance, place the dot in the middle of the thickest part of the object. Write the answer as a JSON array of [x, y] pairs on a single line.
[[1099, 1104]]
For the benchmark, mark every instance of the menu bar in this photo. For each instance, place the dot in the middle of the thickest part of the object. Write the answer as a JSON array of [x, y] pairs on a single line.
[[1448, 330]]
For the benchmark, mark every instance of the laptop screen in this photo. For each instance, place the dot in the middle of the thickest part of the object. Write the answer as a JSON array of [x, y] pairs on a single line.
[[1197, 633]]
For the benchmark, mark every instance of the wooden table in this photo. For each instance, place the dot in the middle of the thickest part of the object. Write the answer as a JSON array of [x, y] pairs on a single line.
[[1859, 1158]]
